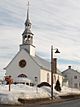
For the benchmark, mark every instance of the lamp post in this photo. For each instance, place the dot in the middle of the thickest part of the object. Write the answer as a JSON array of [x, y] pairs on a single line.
[[52, 69]]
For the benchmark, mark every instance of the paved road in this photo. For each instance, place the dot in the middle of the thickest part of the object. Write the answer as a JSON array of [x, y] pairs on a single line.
[[73, 103]]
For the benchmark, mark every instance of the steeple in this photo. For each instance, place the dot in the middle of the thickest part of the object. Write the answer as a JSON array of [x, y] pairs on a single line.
[[27, 34], [27, 20]]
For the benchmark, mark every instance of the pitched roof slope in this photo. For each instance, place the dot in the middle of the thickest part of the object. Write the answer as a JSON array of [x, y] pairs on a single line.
[[70, 70], [44, 64]]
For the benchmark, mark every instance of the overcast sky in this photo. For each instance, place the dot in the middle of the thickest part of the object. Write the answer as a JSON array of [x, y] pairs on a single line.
[[54, 22]]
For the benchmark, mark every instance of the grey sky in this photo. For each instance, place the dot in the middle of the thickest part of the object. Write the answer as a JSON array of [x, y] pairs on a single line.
[[54, 22]]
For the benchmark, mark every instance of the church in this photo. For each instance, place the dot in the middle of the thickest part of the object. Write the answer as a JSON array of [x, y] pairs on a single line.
[[26, 65]]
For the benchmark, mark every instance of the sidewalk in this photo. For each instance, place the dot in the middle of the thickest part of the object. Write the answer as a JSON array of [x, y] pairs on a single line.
[[49, 100]]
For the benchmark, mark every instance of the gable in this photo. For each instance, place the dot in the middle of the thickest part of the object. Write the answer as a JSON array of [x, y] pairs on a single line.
[[17, 65], [71, 71], [20, 56]]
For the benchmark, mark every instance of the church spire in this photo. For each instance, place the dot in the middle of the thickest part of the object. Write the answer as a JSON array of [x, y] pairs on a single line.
[[28, 11], [27, 34], [27, 20]]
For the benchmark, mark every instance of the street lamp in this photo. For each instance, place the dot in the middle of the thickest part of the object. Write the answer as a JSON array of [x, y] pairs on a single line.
[[52, 69]]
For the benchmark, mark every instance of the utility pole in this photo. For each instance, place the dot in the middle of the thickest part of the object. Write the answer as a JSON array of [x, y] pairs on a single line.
[[53, 68], [52, 72]]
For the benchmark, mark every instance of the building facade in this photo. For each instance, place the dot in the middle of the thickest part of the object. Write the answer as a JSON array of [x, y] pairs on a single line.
[[73, 77], [27, 64]]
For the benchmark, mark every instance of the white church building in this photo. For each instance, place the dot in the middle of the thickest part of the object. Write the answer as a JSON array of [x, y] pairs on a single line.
[[26, 64]]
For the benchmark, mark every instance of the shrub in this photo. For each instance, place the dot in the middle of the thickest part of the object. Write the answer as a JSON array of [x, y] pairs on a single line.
[[57, 86]]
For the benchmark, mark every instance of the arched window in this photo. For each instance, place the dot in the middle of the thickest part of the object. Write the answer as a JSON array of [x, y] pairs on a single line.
[[48, 77], [22, 75]]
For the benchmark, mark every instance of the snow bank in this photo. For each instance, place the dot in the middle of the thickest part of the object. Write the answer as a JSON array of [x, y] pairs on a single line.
[[20, 91], [28, 92], [8, 99], [66, 91]]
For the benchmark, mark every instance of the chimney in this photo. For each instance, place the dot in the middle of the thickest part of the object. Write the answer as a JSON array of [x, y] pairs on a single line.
[[55, 65], [69, 67]]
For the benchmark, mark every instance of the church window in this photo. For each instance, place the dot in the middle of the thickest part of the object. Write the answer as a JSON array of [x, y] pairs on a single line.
[[28, 36], [75, 85], [22, 63], [79, 84], [48, 77], [25, 36], [22, 75]]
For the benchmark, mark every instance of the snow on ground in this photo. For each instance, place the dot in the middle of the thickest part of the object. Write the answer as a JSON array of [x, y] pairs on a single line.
[[20, 91], [66, 91], [28, 92]]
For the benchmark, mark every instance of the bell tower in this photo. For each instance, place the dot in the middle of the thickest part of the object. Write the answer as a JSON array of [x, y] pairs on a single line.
[[27, 36]]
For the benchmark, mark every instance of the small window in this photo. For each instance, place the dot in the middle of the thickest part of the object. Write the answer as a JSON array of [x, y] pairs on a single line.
[[27, 83], [31, 84], [48, 77], [75, 85], [79, 84], [75, 77], [65, 76]]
